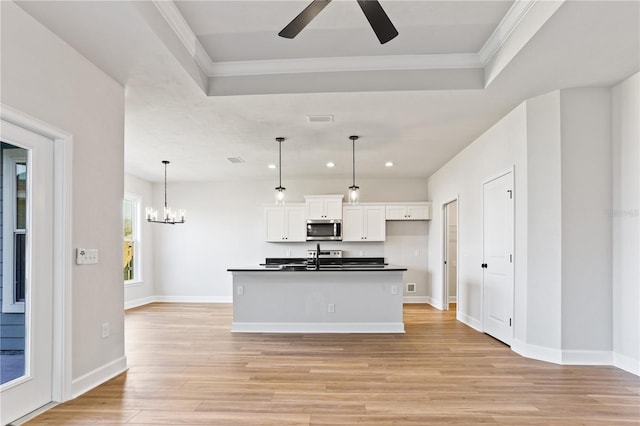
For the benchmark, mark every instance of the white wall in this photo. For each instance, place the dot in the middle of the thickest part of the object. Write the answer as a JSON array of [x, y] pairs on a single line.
[[496, 151], [626, 224], [539, 242], [142, 291], [43, 77], [560, 145], [586, 228], [224, 228]]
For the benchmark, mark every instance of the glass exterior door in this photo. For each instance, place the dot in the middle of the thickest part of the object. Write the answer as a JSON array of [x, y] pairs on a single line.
[[26, 315]]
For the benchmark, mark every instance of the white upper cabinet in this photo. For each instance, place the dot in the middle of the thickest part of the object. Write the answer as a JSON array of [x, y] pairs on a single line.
[[324, 206], [409, 211], [285, 223], [363, 223]]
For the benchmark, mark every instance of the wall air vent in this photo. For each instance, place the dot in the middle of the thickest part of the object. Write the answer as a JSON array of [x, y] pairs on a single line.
[[319, 118], [235, 160]]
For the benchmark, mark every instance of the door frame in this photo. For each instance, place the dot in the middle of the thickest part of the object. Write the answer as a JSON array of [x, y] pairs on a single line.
[[513, 264], [445, 281], [62, 245]]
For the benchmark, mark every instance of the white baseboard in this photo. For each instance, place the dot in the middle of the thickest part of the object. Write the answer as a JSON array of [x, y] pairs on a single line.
[[194, 299], [138, 302], [626, 363], [471, 322], [571, 357], [276, 327], [98, 376], [416, 299], [541, 353], [453, 299]]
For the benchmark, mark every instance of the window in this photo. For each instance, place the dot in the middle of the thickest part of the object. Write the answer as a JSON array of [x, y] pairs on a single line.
[[14, 228], [131, 259]]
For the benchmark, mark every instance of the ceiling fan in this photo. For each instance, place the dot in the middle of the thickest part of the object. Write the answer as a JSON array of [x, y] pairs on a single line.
[[378, 19]]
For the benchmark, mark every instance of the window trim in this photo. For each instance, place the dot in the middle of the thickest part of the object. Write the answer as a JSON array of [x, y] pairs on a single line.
[[10, 157], [136, 233]]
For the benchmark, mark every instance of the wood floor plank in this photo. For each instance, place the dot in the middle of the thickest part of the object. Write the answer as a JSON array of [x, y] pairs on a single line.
[[186, 368]]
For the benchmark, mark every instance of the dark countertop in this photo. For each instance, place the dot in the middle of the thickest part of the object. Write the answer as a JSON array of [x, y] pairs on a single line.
[[325, 268]]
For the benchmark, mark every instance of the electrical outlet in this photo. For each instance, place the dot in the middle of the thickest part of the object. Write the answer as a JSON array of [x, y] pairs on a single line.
[[331, 307], [288, 253], [105, 330], [86, 256], [240, 290], [394, 289]]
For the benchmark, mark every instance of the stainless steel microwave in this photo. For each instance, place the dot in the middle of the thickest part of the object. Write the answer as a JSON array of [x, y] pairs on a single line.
[[324, 230]]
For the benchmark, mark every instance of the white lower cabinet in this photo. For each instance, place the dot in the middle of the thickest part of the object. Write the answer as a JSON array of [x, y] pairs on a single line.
[[285, 223], [363, 223]]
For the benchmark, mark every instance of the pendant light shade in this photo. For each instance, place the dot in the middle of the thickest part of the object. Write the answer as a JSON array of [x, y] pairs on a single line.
[[354, 191], [169, 216], [280, 190]]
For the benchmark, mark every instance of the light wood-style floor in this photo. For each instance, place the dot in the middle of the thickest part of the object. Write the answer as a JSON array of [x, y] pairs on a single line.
[[186, 368]]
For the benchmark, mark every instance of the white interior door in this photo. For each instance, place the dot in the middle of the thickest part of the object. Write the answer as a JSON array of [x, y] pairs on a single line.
[[450, 223], [33, 389], [497, 282]]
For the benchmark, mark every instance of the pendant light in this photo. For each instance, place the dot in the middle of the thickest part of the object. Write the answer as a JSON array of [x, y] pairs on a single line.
[[280, 189], [354, 191], [169, 217]]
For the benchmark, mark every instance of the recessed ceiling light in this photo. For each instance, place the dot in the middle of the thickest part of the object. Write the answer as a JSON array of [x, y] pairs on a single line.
[[331, 164], [388, 164], [272, 166]]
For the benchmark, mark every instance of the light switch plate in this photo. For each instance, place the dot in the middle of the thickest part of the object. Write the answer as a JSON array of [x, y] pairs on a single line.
[[86, 256]]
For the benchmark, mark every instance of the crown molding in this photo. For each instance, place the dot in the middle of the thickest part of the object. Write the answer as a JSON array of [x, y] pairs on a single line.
[[185, 34], [340, 64], [509, 22]]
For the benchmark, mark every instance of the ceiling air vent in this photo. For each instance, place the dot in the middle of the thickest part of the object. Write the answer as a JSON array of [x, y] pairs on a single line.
[[235, 160], [319, 118]]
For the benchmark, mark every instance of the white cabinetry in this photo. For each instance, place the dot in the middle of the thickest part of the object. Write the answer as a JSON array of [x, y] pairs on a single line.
[[409, 211], [324, 206], [363, 223], [285, 223]]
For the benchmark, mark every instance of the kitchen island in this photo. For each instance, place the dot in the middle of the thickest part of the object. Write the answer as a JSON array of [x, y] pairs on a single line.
[[293, 299]]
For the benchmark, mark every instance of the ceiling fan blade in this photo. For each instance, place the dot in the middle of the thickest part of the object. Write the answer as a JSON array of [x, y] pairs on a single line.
[[380, 22], [301, 21]]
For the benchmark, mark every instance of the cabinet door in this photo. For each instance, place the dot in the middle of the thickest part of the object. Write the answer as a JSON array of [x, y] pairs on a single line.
[[274, 224], [315, 209], [374, 223], [295, 224], [396, 212], [418, 212], [352, 224], [333, 209]]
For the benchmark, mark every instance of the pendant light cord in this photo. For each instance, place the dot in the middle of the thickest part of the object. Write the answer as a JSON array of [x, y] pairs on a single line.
[[280, 163], [165, 183], [353, 157]]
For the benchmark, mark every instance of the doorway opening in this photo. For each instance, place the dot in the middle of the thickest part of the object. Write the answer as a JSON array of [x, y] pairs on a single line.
[[450, 238]]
